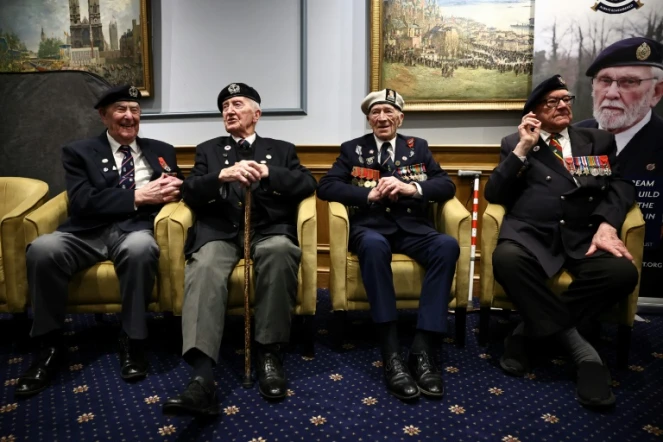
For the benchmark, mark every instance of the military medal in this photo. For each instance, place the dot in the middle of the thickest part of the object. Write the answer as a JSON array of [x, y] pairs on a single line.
[[163, 164], [361, 177], [355, 174], [593, 169], [568, 162], [369, 161], [605, 163], [410, 143]]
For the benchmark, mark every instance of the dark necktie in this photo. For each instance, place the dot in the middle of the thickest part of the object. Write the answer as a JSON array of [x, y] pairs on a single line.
[[244, 149], [127, 180], [556, 147], [387, 164]]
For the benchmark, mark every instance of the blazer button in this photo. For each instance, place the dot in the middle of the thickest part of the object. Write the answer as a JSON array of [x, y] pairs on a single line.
[[602, 187], [591, 225], [591, 198], [563, 197], [409, 210], [388, 210], [548, 178], [239, 203], [562, 222]]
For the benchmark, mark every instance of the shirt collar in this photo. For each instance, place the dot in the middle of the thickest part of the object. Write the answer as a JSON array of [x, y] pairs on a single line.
[[623, 138], [546, 135], [379, 142], [251, 138], [115, 146]]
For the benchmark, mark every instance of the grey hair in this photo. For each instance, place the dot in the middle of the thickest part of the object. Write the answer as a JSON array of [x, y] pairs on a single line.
[[657, 73]]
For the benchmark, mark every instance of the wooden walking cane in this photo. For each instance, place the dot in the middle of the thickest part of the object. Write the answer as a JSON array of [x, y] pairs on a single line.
[[248, 383]]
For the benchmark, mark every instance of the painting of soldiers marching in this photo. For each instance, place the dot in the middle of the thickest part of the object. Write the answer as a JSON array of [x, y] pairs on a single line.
[[457, 50], [103, 37]]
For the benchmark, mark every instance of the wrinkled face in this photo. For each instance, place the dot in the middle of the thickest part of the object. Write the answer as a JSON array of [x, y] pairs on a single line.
[[553, 113], [122, 120], [621, 104], [385, 120], [240, 115]]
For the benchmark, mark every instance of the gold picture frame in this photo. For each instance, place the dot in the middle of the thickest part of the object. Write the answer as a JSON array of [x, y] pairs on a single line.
[[109, 39], [413, 49]]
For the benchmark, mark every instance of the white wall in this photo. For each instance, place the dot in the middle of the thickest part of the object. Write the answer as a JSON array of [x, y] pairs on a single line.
[[337, 60]]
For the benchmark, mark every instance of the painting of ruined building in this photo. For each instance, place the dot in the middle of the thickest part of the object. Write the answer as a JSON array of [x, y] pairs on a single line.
[[453, 54], [106, 37]]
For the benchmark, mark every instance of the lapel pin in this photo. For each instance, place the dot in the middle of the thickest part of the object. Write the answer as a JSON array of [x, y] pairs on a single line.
[[227, 148], [263, 162], [411, 153], [398, 163], [536, 148], [404, 158], [269, 157], [651, 166], [105, 160], [105, 169], [114, 168], [371, 151], [226, 162]]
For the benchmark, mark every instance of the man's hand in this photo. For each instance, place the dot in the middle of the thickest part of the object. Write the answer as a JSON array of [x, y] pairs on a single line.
[[374, 195], [391, 187], [529, 131], [245, 172], [606, 239], [166, 189]]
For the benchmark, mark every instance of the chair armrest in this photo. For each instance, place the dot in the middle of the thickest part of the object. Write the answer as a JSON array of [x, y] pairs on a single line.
[[161, 237], [633, 235], [179, 222], [491, 222], [46, 218], [339, 232], [455, 220], [307, 235], [13, 243]]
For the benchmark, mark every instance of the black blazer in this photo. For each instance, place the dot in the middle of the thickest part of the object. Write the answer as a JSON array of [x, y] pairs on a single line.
[[219, 207], [546, 212], [95, 200], [385, 217]]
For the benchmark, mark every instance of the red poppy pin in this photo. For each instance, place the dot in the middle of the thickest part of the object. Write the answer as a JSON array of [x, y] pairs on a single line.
[[163, 164], [410, 143], [651, 166]]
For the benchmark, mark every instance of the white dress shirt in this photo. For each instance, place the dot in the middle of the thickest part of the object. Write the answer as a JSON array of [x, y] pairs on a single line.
[[142, 169], [623, 138]]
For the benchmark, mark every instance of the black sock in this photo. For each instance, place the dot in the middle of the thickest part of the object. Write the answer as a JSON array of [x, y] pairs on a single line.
[[388, 336], [202, 365], [423, 341]]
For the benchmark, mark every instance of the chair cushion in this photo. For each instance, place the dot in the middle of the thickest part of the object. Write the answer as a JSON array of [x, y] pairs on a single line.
[[98, 285]]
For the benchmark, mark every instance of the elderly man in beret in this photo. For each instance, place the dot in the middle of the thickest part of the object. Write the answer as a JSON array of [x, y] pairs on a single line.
[[565, 202], [388, 180], [225, 168], [116, 184], [627, 83]]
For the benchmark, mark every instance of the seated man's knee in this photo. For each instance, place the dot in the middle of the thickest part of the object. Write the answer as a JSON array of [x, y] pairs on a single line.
[[278, 247], [140, 246], [44, 248], [375, 243], [506, 258], [447, 245], [622, 275]]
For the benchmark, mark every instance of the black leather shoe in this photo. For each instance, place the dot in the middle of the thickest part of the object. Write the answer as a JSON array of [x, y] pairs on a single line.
[[41, 372], [399, 381], [133, 365], [593, 385], [198, 399], [426, 373], [271, 377], [514, 361]]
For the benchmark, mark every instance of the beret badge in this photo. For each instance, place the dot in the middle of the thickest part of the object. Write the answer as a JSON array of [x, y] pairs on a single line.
[[233, 88], [643, 52], [133, 91]]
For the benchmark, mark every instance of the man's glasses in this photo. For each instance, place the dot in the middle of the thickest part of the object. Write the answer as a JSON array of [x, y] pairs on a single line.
[[552, 103], [624, 84]]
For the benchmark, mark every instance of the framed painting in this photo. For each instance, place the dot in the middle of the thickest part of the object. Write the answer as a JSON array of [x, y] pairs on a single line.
[[446, 55], [109, 38]]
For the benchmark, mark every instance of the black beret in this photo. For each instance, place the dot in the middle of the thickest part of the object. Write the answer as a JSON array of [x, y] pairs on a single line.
[[551, 84], [636, 51], [237, 90], [118, 93]]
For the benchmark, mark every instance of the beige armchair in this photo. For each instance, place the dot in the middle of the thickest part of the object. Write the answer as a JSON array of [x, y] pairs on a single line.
[[97, 289], [18, 197], [345, 283], [493, 295], [183, 218]]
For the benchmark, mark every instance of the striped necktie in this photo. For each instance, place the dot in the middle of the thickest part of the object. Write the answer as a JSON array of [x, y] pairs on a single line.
[[556, 147], [127, 180], [387, 164]]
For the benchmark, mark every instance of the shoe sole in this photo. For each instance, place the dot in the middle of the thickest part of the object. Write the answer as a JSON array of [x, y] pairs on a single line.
[[405, 398], [599, 404], [430, 393], [30, 393], [133, 377], [510, 371], [267, 396], [179, 410]]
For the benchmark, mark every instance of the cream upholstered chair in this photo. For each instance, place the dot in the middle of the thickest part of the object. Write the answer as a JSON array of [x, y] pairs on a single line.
[[18, 197], [493, 295], [346, 286], [97, 289], [183, 218]]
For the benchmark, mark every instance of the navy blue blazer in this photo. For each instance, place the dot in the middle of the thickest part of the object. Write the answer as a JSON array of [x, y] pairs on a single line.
[[95, 200], [546, 212], [409, 213], [219, 207]]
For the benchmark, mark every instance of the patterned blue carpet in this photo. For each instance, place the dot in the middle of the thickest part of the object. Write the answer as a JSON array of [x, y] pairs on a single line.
[[335, 396]]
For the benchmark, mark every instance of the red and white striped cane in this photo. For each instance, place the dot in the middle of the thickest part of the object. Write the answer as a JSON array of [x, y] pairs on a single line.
[[475, 214]]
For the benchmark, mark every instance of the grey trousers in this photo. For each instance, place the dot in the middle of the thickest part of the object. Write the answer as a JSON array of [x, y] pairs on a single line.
[[276, 264], [54, 258]]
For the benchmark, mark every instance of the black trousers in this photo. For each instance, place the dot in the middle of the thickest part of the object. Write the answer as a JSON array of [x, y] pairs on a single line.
[[599, 282]]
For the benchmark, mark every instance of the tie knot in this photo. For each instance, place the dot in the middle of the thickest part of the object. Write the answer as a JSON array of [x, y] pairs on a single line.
[[125, 149], [555, 137], [243, 144], [387, 146]]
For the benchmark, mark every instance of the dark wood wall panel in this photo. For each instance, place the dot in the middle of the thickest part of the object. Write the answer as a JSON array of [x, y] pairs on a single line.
[[318, 159]]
